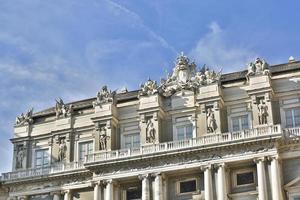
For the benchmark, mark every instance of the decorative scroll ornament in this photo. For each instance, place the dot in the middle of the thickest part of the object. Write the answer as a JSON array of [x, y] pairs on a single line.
[[25, 118], [148, 88], [185, 76], [260, 66], [104, 96], [62, 110]]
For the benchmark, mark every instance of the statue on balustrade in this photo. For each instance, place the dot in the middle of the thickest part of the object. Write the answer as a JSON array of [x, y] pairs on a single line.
[[20, 157], [211, 121], [262, 112], [104, 96], [103, 138], [260, 66], [24, 118], [62, 150], [62, 110], [148, 88], [150, 131]]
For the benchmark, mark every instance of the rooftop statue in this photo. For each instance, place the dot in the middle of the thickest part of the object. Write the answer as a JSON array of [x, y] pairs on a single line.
[[259, 66], [148, 88], [104, 96], [62, 110], [24, 118]]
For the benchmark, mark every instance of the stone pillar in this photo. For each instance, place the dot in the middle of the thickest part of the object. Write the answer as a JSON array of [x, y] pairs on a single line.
[[67, 195], [221, 183], [98, 191], [208, 190], [109, 193], [158, 188], [145, 186], [56, 195], [261, 179], [275, 179], [23, 198]]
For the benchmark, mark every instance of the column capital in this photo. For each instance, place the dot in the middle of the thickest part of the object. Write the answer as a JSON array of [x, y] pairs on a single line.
[[66, 192], [273, 157], [206, 167], [22, 197], [259, 159], [58, 192], [218, 165], [100, 183], [144, 176]]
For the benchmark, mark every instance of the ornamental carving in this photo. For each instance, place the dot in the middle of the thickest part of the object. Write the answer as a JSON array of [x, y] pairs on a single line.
[[24, 119], [104, 96], [62, 110], [150, 131], [148, 88], [185, 76], [259, 66]]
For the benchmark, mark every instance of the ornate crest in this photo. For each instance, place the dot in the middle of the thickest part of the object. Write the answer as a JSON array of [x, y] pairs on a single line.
[[148, 88], [24, 118], [104, 96], [62, 110], [259, 66]]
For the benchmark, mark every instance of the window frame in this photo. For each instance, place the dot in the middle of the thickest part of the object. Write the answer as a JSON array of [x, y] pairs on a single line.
[[78, 147], [124, 135], [47, 150], [241, 171], [239, 117], [178, 193], [293, 116], [239, 111]]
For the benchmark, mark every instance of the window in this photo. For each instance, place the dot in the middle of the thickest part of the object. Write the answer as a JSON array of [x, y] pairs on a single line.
[[131, 140], [41, 158], [245, 178], [85, 148], [240, 123], [292, 117], [187, 186], [133, 194], [297, 198], [184, 132]]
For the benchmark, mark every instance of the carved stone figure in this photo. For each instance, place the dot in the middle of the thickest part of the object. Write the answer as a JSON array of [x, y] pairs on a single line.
[[211, 121], [62, 150], [260, 66], [24, 118], [20, 157], [103, 137], [148, 88], [262, 112], [104, 96], [150, 131], [62, 110]]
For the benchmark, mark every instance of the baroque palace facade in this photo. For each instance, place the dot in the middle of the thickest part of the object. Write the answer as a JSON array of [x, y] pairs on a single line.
[[198, 134]]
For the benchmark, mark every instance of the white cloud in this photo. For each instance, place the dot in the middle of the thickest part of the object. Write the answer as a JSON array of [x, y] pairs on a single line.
[[217, 50]]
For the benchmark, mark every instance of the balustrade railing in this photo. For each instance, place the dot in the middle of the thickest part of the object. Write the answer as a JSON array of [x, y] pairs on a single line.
[[205, 140]]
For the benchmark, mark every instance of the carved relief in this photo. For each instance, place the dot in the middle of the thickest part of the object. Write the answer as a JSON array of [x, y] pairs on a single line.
[[148, 88], [150, 131], [24, 118], [262, 112], [104, 96], [211, 121], [62, 150], [62, 110], [260, 66]]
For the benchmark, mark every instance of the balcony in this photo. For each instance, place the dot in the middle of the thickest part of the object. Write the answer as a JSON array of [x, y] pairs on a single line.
[[194, 143], [54, 169]]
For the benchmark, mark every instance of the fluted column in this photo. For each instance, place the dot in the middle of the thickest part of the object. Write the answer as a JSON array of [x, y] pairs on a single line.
[[275, 179], [261, 179], [56, 195], [98, 186], [67, 195], [158, 187], [208, 190], [109, 193], [221, 182], [145, 186]]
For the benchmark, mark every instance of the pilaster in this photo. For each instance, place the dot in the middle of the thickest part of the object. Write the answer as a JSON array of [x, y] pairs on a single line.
[[261, 178]]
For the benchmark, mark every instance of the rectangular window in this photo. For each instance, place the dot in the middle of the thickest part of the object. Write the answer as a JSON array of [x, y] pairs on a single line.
[[240, 123], [133, 194], [292, 117], [131, 140], [184, 132], [187, 186], [85, 148], [41, 158], [244, 178]]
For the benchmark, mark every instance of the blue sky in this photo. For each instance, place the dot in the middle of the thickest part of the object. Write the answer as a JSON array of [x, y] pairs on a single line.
[[70, 48]]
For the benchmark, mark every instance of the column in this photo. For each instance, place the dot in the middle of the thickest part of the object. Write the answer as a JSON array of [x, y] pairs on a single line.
[[109, 193], [23, 198], [56, 195], [276, 179], [67, 195], [98, 191], [145, 186], [208, 190], [261, 179], [221, 183], [158, 192]]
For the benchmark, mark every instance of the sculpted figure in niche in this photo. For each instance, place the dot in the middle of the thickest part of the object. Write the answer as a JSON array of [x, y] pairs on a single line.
[[211, 121], [62, 150], [20, 157], [150, 131], [103, 138], [262, 112]]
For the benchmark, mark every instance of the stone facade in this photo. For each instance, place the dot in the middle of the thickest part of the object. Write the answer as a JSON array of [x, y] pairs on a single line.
[[198, 134]]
